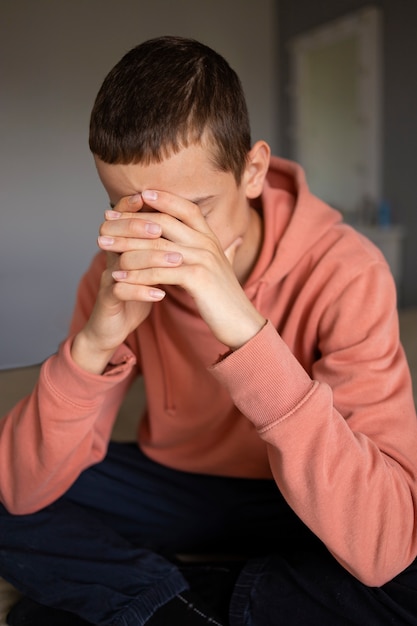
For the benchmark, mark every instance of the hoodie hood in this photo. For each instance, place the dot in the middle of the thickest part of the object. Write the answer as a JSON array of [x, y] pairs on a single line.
[[294, 220]]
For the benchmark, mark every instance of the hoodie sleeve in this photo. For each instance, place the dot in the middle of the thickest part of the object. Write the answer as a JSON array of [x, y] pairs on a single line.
[[65, 424], [342, 438]]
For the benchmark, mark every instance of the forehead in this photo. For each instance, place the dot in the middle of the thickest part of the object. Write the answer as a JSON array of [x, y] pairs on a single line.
[[190, 173]]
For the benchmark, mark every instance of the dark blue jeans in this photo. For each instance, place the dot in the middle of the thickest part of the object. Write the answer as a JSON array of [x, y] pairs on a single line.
[[107, 551]]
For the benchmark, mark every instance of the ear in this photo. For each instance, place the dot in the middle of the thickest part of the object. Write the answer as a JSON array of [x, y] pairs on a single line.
[[256, 169]]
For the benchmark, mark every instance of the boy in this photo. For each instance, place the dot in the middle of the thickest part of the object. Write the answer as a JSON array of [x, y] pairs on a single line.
[[280, 427]]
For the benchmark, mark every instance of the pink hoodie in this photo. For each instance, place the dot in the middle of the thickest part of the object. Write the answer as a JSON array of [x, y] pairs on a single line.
[[320, 399]]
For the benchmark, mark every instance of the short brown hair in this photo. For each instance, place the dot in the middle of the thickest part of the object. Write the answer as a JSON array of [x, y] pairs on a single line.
[[165, 94]]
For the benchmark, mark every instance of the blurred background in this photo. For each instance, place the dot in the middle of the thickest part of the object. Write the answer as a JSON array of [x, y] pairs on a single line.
[[54, 56], [348, 112]]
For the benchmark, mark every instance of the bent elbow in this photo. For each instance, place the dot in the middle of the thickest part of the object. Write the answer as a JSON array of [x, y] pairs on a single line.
[[379, 575], [21, 505]]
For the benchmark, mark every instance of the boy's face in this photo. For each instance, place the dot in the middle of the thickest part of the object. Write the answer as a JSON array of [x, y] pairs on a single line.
[[189, 174]]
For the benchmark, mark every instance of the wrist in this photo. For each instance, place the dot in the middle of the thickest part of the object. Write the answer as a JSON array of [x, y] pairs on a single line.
[[87, 356], [248, 332]]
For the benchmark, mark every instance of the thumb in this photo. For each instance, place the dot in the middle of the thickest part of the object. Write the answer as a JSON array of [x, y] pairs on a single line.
[[130, 204], [231, 250]]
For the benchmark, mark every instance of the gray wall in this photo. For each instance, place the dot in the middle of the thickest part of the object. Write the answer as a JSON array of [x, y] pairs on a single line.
[[399, 105], [53, 57]]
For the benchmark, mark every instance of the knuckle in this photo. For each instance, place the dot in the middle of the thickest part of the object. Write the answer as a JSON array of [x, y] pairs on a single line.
[[151, 275], [160, 245], [195, 210], [119, 290], [132, 227], [209, 254], [196, 275], [126, 262], [103, 229], [106, 278]]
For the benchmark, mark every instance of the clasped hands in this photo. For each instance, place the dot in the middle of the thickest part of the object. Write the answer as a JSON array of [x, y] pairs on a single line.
[[155, 239]]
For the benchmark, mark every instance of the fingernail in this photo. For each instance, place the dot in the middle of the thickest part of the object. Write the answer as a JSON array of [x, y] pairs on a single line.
[[134, 199], [105, 241], [152, 228], [112, 215], [173, 257], [149, 195], [156, 294], [119, 275]]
